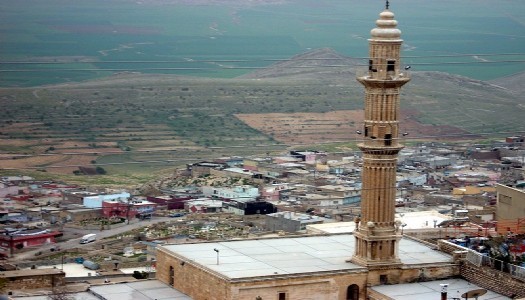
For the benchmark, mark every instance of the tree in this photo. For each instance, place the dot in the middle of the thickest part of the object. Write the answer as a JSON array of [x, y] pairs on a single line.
[[100, 170], [140, 275]]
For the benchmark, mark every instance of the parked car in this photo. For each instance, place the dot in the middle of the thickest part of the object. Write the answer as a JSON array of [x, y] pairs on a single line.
[[176, 215]]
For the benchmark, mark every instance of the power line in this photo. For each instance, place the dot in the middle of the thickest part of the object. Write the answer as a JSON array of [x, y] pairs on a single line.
[[244, 68], [246, 60]]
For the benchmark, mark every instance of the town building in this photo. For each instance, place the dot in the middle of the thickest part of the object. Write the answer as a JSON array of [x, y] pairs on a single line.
[[245, 207], [348, 194], [236, 192], [511, 209], [78, 214], [170, 201], [128, 209], [203, 205], [14, 240], [95, 201], [289, 221]]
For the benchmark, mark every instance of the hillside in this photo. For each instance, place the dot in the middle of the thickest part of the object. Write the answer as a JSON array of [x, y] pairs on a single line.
[[320, 64], [127, 119], [513, 83]]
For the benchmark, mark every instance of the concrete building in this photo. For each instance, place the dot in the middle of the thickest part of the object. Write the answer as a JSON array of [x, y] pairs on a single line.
[[15, 240], [510, 209], [170, 202], [290, 221], [204, 168], [80, 214], [348, 194], [203, 205], [128, 210], [316, 199], [244, 191], [95, 201], [244, 207]]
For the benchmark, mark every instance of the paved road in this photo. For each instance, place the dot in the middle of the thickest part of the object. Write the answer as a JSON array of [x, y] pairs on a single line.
[[75, 242]]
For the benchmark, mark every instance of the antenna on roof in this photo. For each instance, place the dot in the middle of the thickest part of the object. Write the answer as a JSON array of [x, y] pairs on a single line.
[[387, 4]]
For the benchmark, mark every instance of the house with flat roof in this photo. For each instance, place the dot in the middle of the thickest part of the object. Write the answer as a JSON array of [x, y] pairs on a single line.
[[290, 221]]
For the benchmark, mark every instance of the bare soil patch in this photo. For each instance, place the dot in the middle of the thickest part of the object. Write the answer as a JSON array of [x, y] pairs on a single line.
[[336, 126]]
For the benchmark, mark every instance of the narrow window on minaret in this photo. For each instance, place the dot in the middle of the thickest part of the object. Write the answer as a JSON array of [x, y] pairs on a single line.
[[391, 66], [388, 139], [366, 130], [371, 66]]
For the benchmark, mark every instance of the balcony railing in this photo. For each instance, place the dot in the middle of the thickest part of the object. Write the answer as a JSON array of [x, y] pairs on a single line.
[[364, 72]]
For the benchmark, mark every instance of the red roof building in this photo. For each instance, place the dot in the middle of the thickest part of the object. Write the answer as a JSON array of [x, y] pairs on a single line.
[[15, 241]]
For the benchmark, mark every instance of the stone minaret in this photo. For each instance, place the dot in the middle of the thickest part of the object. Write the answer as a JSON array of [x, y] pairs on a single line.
[[376, 235]]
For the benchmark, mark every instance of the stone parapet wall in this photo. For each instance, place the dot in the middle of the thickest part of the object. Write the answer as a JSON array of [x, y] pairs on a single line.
[[450, 248], [493, 280], [31, 281]]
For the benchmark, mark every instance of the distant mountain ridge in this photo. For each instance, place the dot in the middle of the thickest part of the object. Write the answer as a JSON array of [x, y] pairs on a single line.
[[439, 98], [314, 64]]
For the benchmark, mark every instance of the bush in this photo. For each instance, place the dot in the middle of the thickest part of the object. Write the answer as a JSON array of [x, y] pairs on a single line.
[[140, 275], [100, 170]]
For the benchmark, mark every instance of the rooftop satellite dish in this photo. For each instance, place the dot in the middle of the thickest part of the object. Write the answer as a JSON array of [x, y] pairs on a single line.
[[474, 294]]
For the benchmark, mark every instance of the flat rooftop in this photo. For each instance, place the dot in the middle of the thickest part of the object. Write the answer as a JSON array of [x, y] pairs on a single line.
[[412, 220], [432, 290], [289, 256], [139, 290], [75, 296], [78, 270]]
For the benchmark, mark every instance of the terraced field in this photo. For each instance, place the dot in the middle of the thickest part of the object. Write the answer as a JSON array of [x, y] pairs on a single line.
[[136, 125]]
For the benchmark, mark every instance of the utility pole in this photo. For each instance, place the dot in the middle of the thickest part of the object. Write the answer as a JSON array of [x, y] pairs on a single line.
[[127, 209], [11, 246]]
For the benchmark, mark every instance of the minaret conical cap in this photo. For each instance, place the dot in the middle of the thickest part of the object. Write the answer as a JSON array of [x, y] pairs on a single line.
[[386, 27]]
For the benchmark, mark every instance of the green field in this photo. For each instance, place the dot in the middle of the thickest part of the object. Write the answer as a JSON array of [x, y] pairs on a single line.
[[82, 40]]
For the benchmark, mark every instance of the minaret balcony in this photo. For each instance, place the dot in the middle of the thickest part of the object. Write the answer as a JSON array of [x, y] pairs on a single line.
[[374, 147], [370, 77]]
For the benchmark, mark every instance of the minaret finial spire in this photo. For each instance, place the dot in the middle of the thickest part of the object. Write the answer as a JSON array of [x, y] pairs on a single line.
[[387, 4]]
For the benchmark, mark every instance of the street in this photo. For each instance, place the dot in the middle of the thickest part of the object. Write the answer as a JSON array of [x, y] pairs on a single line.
[[75, 242]]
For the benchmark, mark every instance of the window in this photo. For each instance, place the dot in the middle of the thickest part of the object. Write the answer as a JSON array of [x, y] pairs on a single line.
[[282, 296], [388, 139], [371, 66], [366, 130], [383, 279], [391, 66], [172, 275]]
